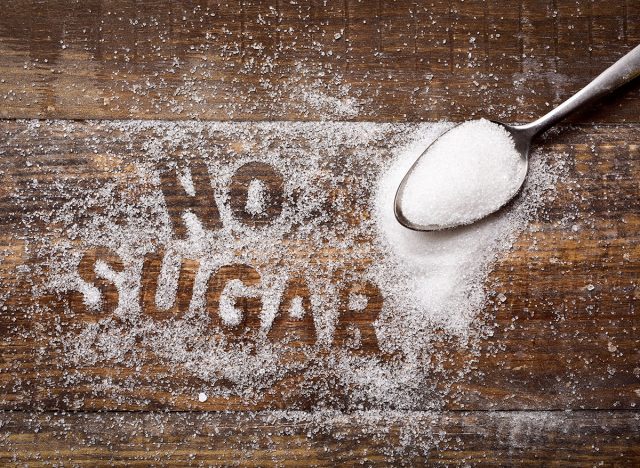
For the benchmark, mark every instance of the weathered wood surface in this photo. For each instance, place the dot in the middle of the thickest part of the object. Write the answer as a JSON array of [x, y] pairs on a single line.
[[558, 344], [258, 60], [295, 439]]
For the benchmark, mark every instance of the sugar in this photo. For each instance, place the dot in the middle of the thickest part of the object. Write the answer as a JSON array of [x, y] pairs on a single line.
[[91, 295], [256, 197], [469, 172], [185, 179], [357, 302], [442, 273], [336, 228], [432, 286], [229, 313]]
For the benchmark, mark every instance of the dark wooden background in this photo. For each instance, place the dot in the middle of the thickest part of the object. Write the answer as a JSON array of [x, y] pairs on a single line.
[[562, 346]]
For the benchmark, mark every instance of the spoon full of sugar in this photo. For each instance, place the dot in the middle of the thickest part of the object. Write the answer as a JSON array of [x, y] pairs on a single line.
[[477, 167]]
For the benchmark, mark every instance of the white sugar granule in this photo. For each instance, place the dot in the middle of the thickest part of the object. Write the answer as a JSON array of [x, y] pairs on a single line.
[[91, 295], [469, 172], [187, 183], [256, 197]]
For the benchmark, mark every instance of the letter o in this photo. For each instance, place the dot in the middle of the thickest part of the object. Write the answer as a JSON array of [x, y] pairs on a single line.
[[273, 194]]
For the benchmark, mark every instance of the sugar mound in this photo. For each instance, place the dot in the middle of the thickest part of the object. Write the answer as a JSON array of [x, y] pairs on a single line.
[[443, 272], [471, 171]]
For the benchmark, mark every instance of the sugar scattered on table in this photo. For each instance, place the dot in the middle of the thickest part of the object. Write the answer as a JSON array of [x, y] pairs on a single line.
[[442, 273], [296, 309], [336, 229]]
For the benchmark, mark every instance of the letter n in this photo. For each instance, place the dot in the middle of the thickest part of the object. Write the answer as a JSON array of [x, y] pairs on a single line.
[[178, 201]]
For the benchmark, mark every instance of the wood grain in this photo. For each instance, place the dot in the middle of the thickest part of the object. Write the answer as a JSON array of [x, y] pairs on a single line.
[[564, 337], [294, 439], [276, 60], [556, 383]]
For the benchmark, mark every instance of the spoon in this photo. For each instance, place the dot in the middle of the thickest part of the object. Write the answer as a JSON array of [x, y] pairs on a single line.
[[620, 73]]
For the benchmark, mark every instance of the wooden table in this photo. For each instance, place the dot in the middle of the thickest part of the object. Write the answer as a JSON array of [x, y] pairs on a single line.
[[559, 380]]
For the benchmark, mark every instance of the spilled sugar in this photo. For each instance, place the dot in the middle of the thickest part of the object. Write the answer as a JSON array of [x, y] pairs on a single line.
[[133, 219], [471, 171], [442, 273], [335, 229], [230, 315]]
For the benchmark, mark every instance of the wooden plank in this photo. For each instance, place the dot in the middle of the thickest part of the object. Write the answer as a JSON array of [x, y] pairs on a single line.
[[321, 439], [558, 333], [563, 336], [271, 60]]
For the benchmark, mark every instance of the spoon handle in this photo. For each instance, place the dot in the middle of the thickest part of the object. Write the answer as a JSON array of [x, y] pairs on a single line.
[[618, 74]]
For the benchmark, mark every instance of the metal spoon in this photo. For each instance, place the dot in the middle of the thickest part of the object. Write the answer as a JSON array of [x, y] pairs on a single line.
[[620, 73]]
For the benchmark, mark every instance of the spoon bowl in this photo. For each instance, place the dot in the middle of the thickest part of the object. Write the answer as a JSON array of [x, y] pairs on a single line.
[[521, 136], [620, 73]]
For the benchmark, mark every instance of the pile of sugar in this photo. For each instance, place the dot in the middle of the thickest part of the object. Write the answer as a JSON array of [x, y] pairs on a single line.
[[468, 173], [442, 273]]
